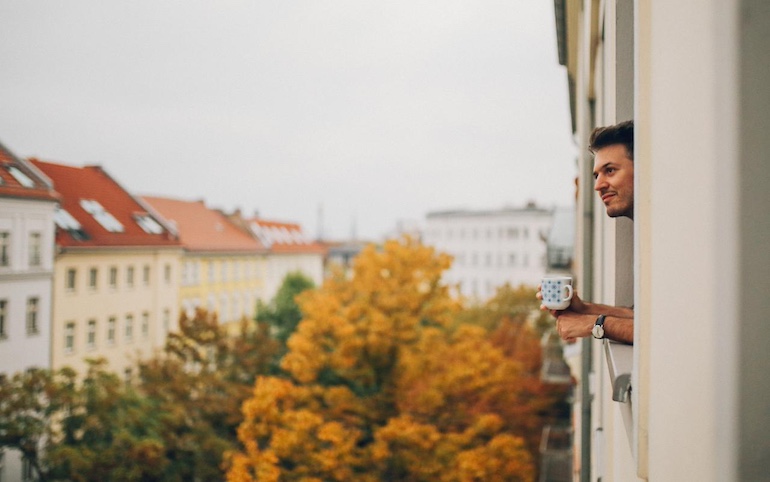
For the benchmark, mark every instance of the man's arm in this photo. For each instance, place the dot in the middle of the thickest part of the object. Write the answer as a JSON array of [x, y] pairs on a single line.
[[572, 326]]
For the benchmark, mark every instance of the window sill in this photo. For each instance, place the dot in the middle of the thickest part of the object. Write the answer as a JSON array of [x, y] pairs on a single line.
[[620, 362]]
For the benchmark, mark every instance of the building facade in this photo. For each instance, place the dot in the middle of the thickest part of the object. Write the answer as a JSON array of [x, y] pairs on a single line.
[[289, 250], [689, 400], [491, 248], [27, 206], [115, 293], [223, 269]]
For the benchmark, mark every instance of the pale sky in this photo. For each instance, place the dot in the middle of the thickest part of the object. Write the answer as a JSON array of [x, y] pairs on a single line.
[[378, 111]]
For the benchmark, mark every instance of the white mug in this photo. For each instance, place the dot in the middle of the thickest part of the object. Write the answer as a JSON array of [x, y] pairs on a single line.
[[556, 291]]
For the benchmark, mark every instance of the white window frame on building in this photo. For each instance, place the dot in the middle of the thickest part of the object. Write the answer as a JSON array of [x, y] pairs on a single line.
[[130, 277], [71, 279], [3, 318], [5, 249], [129, 328], [112, 329], [93, 278], [35, 248], [113, 277], [69, 337], [33, 306], [91, 335], [145, 325]]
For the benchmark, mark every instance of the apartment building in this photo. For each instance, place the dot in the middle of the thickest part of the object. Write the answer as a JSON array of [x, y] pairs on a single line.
[[223, 268], [28, 205], [690, 399], [491, 248], [115, 293], [289, 250]]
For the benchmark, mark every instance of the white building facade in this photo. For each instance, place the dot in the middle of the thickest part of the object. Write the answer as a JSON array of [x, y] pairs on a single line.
[[27, 206], [491, 248]]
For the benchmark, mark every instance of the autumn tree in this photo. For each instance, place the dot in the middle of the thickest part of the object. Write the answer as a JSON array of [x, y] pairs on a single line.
[[92, 429], [198, 384], [385, 384]]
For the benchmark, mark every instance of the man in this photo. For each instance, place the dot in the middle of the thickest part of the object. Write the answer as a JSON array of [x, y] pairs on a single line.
[[613, 149]]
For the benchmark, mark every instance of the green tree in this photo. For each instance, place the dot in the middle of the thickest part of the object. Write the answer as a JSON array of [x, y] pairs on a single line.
[[198, 384], [282, 314], [91, 430]]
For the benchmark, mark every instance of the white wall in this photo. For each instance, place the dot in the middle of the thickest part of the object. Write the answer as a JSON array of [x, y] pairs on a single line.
[[19, 281]]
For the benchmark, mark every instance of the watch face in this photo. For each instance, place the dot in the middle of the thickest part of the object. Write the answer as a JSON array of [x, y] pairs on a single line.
[[598, 331]]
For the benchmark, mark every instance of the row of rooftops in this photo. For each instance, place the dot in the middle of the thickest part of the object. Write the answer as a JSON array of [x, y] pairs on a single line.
[[95, 211]]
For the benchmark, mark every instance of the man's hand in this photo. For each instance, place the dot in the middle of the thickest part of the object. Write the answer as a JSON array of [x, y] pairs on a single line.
[[572, 326], [576, 304]]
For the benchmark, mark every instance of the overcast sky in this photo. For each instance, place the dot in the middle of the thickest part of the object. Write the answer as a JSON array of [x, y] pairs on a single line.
[[378, 111]]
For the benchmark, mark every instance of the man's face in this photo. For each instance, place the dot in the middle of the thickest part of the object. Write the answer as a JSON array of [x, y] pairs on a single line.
[[614, 180]]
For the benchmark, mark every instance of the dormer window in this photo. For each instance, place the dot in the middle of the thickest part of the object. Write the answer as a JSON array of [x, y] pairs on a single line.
[[104, 218]]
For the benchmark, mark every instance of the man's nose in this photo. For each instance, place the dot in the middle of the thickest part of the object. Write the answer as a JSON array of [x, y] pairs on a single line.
[[600, 183]]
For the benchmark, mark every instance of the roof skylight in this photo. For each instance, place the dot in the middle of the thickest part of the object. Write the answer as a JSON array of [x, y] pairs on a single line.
[[146, 222], [64, 220], [104, 218], [23, 179]]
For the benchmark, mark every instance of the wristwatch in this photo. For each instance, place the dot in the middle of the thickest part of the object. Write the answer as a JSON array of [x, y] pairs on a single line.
[[598, 329]]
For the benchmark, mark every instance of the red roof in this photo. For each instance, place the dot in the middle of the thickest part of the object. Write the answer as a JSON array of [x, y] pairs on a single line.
[[281, 237], [112, 203], [20, 179], [203, 229]]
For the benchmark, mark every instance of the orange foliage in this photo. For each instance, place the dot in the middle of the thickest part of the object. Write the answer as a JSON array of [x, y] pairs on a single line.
[[385, 385]]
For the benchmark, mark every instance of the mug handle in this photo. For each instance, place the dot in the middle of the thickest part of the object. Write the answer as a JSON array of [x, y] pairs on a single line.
[[569, 293]]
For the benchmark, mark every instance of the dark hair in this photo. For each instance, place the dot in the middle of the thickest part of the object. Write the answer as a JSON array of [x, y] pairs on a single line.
[[622, 133]]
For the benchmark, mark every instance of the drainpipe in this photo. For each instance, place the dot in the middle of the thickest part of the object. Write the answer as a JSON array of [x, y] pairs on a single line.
[[586, 209]]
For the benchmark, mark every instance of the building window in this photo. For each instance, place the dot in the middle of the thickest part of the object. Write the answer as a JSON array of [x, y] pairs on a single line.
[[212, 271], [32, 324], [512, 259], [69, 337], [146, 275], [166, 320], [113, 277], [130, 277], [129, 328], [224, 271], [111, 330], [3, 318], [71, 278], [35, 249], [145, 325], [128, 375], [5, 248], [93, 275], [167, 273], [91, 335]]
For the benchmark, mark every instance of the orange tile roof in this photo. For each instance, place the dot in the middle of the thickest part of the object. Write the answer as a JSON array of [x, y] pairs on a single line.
[[201, 228], [76, 184], [39, 186], [282, 237]]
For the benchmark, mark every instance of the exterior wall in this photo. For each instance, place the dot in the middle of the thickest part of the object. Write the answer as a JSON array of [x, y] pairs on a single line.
[[279, 265], [229, 285], [19, 282], [700, 395], [155, 299], [491, 249]]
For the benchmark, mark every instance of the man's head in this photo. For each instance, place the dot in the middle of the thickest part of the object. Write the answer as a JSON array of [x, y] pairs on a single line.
[[613, 149]]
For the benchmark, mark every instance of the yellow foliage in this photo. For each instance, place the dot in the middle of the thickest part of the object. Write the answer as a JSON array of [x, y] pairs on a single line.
[[384, 385]]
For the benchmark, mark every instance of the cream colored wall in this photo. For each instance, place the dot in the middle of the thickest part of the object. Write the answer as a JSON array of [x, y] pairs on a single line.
[[279, 265], [689, 120], [158, 299], [247, 287]]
